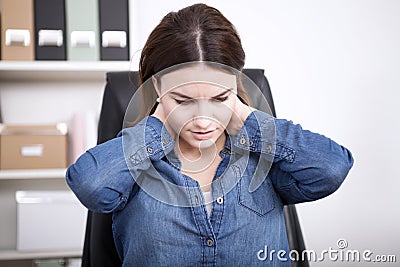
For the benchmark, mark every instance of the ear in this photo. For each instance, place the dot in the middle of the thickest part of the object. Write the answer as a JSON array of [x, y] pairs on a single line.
[[155, 84]]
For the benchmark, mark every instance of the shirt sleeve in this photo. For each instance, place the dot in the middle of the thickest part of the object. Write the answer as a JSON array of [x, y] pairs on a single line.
[[103, 178], [100, 177], [306, 166]]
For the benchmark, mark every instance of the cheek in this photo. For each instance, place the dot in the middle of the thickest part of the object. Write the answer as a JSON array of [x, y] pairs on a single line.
[[223, 117], [223, 113], [177, 116]]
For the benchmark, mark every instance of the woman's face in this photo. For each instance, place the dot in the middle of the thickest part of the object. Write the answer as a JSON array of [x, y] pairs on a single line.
[[198, 112]]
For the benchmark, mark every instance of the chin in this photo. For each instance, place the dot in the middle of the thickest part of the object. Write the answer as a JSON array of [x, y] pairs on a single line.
[[202, 144], [206, 144]]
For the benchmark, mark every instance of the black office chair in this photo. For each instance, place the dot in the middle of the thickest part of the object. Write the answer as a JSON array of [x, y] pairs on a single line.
[[99, 249]]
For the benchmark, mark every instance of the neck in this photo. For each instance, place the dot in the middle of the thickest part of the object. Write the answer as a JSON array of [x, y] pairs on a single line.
[[196, 159]]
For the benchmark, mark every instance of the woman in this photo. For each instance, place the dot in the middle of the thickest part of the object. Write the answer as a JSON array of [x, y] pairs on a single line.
[[202, 181]]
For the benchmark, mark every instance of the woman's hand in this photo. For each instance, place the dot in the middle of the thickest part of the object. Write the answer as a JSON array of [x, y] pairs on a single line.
[[240, 113]]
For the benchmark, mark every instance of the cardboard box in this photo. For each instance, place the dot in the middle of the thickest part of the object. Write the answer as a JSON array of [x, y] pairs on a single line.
[[17, 30], [49, 221], [33, 146]]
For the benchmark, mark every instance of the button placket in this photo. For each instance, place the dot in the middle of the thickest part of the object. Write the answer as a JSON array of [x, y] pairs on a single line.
[[163, 142]]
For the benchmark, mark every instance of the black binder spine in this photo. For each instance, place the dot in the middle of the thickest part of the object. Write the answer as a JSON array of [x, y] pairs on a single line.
[[114, 29], [50, 30]]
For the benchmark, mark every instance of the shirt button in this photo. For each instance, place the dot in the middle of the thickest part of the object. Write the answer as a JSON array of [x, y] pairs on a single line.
[[269, 148], [210, 242], [242, 140], [250, 142], [150, 149], [220, 200]]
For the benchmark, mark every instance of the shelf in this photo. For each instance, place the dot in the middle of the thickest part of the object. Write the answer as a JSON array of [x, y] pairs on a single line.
[[32, 174], [55, 70], [22, 255], [76, 66]]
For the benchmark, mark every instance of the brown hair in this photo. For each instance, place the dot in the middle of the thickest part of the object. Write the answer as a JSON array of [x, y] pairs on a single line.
[[195, 33]]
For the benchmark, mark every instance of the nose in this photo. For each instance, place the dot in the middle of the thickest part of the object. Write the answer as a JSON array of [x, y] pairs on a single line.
[[203, 119], [202, 122]]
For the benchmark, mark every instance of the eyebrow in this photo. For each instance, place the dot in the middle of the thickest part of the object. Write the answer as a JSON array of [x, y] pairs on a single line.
[[188, 97]]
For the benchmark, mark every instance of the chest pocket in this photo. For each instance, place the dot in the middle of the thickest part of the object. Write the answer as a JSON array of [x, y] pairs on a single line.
[[260, 201]]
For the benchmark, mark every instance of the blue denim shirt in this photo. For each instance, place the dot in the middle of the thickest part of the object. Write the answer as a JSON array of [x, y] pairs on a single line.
[[303, 166]]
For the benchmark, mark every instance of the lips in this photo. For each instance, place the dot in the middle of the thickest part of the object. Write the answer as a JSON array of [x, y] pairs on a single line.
[[202, 135]]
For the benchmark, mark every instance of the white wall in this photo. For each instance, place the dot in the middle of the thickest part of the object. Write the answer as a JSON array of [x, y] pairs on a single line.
[[333, 67]]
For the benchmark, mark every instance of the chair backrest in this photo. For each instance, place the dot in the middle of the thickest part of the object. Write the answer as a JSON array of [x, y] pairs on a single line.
[[99, 249]]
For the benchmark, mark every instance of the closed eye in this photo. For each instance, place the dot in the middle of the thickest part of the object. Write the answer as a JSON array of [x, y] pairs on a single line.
[[219, 99], [184, 102], [190, 101]]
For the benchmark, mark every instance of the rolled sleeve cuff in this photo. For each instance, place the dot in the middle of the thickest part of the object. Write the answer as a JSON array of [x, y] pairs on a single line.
[[257, 134], [149, 139]]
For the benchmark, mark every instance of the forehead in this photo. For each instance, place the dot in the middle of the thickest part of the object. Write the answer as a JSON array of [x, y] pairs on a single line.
[[197, 79]]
